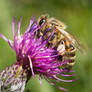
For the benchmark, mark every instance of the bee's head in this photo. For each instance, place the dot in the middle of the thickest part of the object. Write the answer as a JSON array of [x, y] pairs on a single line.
[[42, 20]]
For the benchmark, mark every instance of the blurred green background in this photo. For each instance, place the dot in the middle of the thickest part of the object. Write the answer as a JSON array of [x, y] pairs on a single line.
[[76, 14]]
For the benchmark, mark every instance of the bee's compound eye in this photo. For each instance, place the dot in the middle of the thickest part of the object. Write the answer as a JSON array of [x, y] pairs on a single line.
[[62, 42], [42, 21]]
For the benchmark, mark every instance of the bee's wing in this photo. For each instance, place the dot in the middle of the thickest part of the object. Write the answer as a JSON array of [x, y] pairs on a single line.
[[73, 40], [57, 23]]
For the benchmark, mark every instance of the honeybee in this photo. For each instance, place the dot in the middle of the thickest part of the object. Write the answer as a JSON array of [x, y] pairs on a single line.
[[61, 39]]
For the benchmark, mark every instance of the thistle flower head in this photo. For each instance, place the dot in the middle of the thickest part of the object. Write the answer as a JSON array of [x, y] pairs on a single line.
[[34, 56]]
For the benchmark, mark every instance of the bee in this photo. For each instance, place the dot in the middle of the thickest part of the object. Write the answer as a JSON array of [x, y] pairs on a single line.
[[61, 39]]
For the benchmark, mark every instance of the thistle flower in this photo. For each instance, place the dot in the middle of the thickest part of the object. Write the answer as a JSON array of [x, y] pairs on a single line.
[[33, 57]]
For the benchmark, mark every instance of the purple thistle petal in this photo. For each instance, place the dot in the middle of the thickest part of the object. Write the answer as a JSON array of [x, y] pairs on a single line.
[[3, 37], [40, 79], [8, 41], [51, 35], [31, 66], [13, 26], [67, 75], [46, 32], [65, 90], [31, 22], [18, 27], [58, 79]]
